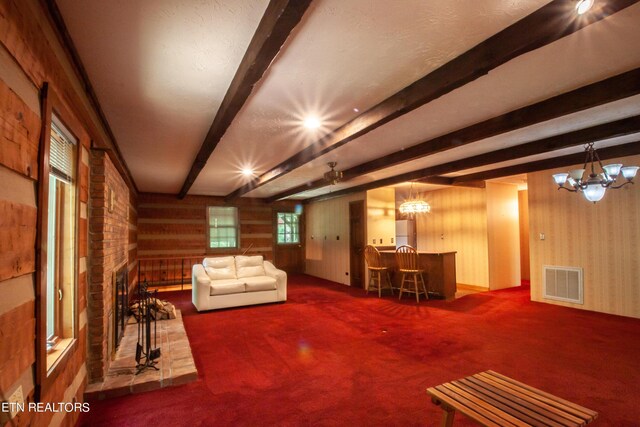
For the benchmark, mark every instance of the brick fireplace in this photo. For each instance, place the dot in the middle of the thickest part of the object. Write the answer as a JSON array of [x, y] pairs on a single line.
[[109, 251]]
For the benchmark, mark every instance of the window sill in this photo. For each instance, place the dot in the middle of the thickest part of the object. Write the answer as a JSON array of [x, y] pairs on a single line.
[[57, 352]]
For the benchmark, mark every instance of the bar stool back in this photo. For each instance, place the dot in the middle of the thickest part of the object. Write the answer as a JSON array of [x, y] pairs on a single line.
[[408, 266], [376, 270]]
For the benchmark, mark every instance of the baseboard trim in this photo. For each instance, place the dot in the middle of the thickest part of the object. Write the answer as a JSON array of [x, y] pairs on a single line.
[[465, 287]]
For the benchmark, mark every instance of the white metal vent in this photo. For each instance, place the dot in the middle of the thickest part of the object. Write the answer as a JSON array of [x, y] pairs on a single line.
[[563, 284]]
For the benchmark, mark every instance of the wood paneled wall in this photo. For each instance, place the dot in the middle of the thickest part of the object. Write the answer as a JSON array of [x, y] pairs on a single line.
[[603, 239], [327, 238], [458, 222], [170, 227], [20, 128], [30, 55]]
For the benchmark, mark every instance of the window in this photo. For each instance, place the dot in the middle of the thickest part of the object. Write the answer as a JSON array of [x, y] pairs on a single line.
[[61, 241], [223, 227], [288, 228], [57, 240]]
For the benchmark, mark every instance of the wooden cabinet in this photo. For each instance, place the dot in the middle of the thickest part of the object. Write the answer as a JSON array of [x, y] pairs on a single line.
[[439, 271]]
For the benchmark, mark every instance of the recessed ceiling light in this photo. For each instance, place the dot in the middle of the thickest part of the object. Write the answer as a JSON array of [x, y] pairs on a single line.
[[247, 171], [583, 6], [312, 122]]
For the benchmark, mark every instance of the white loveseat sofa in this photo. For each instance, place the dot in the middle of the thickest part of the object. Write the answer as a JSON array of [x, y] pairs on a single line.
[[232, 281]]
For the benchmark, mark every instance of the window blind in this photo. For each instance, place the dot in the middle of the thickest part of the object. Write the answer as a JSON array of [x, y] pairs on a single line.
[[61, 155]]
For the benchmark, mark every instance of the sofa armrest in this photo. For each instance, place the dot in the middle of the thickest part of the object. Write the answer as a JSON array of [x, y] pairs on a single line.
[[281, 279], [200, 287]]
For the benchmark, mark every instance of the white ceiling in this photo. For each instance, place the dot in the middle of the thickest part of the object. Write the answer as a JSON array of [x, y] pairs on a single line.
[[161, 68]]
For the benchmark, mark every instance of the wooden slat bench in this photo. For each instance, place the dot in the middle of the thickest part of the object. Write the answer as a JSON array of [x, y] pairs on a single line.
[[492, 399]]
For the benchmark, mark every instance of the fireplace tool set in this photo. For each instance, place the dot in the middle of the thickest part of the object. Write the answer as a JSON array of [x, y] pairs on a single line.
[[146, 355]]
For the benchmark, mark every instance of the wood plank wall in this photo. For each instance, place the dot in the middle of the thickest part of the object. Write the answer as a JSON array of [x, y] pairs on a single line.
[[19, 134], [30, 55], [19, 137], [603, 239], [169, 227]]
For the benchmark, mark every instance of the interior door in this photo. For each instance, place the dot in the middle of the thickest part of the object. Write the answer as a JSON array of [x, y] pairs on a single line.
[[356, 243], [290, 256]]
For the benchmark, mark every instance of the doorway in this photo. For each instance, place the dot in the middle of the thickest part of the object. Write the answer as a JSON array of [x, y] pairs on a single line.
[[289, 241], [523, 215], [356, 243]]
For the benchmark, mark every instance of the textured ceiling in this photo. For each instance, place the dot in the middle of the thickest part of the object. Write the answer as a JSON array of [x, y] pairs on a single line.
[[160, 69]]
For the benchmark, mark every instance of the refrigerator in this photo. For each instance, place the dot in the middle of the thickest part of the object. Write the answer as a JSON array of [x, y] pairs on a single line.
[[406, 232]]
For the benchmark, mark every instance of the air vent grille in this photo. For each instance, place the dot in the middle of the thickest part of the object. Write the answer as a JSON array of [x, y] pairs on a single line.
[[563, 284]]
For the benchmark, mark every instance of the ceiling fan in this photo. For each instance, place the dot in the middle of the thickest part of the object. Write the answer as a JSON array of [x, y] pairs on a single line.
[[333, 176]]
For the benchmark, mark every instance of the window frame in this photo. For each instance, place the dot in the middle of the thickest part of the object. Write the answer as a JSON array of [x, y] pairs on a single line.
[[297, 216], [237, 228], [60, 323], [46, 375]]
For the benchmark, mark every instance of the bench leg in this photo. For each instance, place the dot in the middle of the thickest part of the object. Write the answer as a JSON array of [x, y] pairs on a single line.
[[447, 416]]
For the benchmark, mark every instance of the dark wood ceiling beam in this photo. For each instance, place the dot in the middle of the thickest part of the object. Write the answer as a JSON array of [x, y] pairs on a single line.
[[614, 129], [470, 184], [617, 128], [443, 180], [629, 149], [438, 180], [609, 90], [280, 18], [551, 22]]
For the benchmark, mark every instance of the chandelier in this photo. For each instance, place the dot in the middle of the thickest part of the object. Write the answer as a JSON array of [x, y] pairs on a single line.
[[595, 185], [414, 206], [333, 176]]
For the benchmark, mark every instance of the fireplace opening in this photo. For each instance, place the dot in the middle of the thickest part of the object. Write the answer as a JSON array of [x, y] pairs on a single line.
[[120, 303]]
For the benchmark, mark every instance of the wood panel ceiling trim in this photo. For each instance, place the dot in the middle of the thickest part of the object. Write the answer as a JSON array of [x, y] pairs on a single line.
[[546, 25], [280, 18], [617, 128]]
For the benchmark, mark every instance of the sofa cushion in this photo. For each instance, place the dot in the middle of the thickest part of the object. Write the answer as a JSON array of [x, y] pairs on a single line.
[[220, 267], [226, 286], [259, 283], [249, 266]]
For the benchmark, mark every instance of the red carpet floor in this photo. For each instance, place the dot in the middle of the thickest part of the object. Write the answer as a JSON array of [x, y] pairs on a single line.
[[332, 356]]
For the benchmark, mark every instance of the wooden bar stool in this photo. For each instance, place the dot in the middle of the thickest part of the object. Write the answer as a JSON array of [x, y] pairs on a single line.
[[376, 270], [407, 259]]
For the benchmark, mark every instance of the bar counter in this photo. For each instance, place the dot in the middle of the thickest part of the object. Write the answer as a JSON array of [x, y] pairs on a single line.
[[439, 272]]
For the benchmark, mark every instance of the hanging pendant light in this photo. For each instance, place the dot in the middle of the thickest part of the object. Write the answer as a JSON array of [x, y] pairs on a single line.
[[413, 206], [595, 186]]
